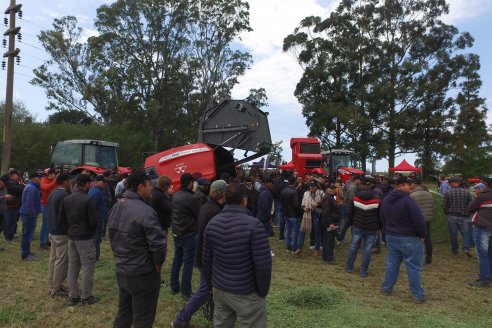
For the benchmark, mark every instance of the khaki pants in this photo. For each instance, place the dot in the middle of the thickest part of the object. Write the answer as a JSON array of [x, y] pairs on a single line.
[[81, 255], [249, 310], [58, 261]]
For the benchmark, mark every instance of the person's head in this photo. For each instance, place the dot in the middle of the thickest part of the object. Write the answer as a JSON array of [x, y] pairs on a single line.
[[404, 184], [454, 182], [226, 177], [51, 173], [487, 182], [365, 183], [140, 183], [313, 186], [34, 177], [3, 181], [164, 183], [83, 182], [235, 195], [356, 179], [478, 188], [14, 175], [270, 184], [100, 181], [186, 181], [331, 189], [63, 180], [299, 180], [309, 177], [292, 180], [248, 183], [217, 191], [204, 185]]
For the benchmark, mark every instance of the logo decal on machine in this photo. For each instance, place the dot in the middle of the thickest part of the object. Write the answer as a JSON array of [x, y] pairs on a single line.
[[180, 168], [183, 153]]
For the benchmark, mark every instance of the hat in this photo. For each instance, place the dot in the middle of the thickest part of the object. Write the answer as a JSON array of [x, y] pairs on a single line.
[[51, 170], [185, 179], [82, 179], [366, 181], [479, 186], [14, 171], [487, 181], [313, 184], [402, 180], [136, 178], [5, 178], [204, 182], [33, 175], [332, 186], [454, 179]]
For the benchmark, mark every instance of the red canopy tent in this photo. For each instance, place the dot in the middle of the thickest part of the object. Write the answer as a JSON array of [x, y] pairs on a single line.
[[286, 167], [405, 167]]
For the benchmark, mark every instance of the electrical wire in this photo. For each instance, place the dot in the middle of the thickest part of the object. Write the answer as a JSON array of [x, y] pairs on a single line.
[[30, 45], [32, 23]]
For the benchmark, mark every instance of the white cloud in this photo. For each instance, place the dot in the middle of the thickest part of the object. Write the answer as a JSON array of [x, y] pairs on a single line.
[[87, 33], [461, 10]]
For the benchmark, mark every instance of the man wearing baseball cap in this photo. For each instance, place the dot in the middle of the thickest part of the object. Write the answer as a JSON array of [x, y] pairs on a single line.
[[405, 232], [481, 208], [31, 207]]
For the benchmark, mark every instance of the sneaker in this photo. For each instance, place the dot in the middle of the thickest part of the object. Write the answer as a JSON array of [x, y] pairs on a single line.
[[90, 300], [73, 301], [59, 293], [418, 300], [385, 292], [30, 258], [363, 274], [312, 247], [348, 270], [479, 283]]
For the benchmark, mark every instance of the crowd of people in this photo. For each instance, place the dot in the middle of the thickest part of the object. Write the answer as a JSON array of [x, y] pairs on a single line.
[[223, 227]]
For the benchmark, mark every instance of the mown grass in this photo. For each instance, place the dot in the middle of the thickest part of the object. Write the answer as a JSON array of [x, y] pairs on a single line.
[[304, 293]]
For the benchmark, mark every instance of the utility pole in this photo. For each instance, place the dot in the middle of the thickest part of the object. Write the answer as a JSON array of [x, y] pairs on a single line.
[[9, 97]]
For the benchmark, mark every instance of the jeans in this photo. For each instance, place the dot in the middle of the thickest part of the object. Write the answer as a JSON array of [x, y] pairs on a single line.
[[455, 224], [410, 250], [98, 236], [43, 234], [368, 237], [28, 229], [317, 228], [300, 241], [328, 245], [200, 298], [184, 254], [292, 233], [10, 223], [137, 303], [471, 230], [428, 244], [483, 244], [281, 227]]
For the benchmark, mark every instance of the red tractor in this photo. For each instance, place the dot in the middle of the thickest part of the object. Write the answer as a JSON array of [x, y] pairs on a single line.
[[230, 125], [74, 156]]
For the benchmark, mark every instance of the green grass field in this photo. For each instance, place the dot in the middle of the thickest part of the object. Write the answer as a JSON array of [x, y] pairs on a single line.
[[304, 292]]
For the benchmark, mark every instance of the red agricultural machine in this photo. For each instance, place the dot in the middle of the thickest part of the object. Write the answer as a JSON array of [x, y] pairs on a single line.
[[229, 126]]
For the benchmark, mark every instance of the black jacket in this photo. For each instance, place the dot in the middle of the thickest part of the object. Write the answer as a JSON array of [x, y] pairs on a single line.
[[236, 253], [137, 239], [161, 203], [185, 213], [289, 199], [78, 216], [363, 210], [208, 210], [14, 189], [330, 214], [53, 208]]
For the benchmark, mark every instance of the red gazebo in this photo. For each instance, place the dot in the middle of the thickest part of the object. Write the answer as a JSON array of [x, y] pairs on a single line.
[[286, 167], [405, 167]]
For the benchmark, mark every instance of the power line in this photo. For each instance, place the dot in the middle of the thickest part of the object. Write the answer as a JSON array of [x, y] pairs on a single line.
[[32, 23], [26, 66], [24, 75], [28, 55], [30, 45]]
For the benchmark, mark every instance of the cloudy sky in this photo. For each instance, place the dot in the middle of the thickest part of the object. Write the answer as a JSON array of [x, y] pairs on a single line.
[[274, 70]]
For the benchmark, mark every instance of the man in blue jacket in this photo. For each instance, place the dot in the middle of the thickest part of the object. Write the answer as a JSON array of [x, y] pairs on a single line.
[[405, 233], [237, 263], [30, 208], [96, 194]]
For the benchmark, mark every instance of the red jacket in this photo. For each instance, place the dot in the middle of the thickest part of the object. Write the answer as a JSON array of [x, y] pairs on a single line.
[[47, 186]]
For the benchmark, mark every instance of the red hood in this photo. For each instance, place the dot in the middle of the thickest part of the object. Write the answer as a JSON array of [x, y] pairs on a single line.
[[351, 170]]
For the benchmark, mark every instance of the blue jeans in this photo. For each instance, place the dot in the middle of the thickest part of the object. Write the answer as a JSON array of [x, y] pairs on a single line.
[[300, 241], [471, 230], [317, 228], [292, 233], [200, 298], [98, 236], [184, 254], [369, 239], [283, 219], [28, 229], [10, 220], [43, 234], [410, 250], [483, 244], [455, 224]]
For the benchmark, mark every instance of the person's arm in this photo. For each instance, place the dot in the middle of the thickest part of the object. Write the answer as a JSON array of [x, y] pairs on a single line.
[[48, 186], [92, 215], [262, 259], [350, 212], [62, 216], [474, 205], [156, 240], [417, 218]]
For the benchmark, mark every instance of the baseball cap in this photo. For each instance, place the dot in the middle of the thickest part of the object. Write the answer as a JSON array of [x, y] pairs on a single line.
[[479, 186], [62, 178], [136, 178], [487, 181], [402, 180], [204, 182], [82, 179]]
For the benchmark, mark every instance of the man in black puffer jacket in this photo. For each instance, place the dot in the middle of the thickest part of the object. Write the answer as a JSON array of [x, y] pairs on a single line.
[[237, 263], [363, 215]]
